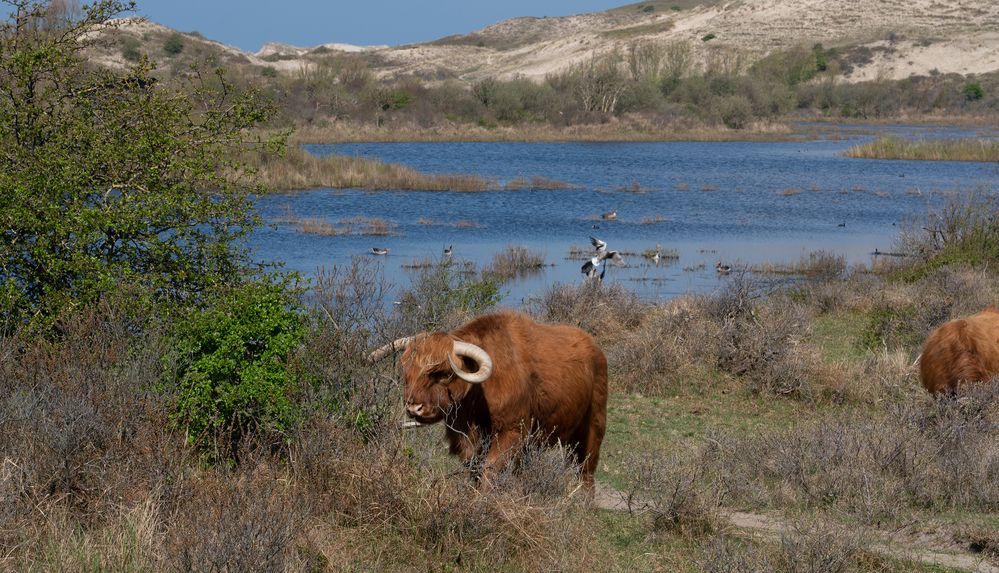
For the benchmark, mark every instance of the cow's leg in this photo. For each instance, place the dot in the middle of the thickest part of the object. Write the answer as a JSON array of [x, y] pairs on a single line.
[[503, 446], [590, 436]]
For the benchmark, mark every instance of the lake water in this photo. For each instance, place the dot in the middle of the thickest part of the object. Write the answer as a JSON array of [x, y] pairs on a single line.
[[738, 202]]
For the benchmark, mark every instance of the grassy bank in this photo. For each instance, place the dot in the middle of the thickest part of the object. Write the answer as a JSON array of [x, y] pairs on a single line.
[[617, 130], [927, 149]]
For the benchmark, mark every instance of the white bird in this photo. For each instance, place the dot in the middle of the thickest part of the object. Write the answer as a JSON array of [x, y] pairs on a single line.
[[448, 251], [379, 251], [590, 267], [722, 269]]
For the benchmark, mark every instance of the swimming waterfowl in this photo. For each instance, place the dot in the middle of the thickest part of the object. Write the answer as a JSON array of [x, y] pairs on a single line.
[[722, 269], [448, 250], [609, 216], [379, 251]]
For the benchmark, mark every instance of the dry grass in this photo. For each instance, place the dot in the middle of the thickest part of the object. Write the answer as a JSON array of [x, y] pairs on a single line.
[[822, 265], [927, 149], [790, 192], [912, 456], [652, 220], [629, 129], [298, 169], [372, 226], [93, 476], [536, 183], [466, 224], [512, 262]]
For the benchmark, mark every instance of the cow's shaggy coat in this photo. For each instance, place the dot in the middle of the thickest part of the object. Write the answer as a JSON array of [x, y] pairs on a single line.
[[961, 351], [547, 379]]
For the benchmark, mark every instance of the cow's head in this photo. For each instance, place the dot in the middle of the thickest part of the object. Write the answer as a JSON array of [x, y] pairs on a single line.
[[438, 371]]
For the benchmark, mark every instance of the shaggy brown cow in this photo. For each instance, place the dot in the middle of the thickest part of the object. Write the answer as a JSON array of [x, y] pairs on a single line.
[[962, 350], [501, 376]]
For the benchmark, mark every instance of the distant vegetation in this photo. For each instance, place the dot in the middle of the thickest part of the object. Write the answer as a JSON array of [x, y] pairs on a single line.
[[931, 149], [656, 87]]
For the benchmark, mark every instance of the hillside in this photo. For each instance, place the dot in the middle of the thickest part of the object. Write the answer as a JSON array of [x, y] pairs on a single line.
[[884, 38]]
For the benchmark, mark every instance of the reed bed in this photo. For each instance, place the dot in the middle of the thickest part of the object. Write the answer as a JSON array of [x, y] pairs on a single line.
[[635, 187], [664, 254], [817, 264], [633, 130], [967, 149], [791, 191], [298, 169], [652, 220], [373, 226], [536, 183], [512, 262]]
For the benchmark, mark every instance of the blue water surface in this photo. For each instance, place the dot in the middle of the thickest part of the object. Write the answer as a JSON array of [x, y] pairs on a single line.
[[737, 202]]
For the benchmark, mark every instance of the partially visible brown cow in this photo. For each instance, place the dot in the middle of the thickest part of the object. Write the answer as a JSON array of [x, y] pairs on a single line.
[[960, 351], [501, 376]]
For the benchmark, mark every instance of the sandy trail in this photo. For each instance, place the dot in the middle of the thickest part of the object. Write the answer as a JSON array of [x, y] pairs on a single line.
[[768, 527]]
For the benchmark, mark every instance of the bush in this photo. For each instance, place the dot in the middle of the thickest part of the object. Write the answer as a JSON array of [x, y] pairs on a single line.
[[230, 364], [735, 111], [444, 295], [174, 44], [592, 306], [763, 343], [973, 91]]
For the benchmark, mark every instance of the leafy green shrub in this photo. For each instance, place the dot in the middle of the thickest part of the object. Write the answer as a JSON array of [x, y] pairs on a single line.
[[973, 91], [230, 363], [708, 37], [111, 180], [174, 44], [268, 72]]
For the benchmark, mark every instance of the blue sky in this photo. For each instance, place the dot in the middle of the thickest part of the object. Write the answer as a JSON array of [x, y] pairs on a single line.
[[249, 23]]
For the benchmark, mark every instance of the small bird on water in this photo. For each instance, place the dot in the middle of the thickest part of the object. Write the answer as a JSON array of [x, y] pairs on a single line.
[[379, 251], [449, 250], [722, 269]]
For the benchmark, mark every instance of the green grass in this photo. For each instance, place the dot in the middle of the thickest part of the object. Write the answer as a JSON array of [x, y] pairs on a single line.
[[639, 423], [837, 335]]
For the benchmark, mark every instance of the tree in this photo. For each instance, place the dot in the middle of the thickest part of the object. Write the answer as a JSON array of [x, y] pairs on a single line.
[[110, 179]]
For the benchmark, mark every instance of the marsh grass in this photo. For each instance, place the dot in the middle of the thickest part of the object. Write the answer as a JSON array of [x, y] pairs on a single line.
[[634, 129], [536, 183], [966, 149], [652, 220], [514, 261], [372, 226], [664, 254], [790, 192], [299, 169], [823, 265]]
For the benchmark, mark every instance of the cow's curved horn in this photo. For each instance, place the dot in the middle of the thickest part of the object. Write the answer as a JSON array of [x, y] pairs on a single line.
[[475, 353], [389, 348]]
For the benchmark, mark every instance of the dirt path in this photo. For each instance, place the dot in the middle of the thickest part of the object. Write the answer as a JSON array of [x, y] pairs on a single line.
[[769, 527]]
